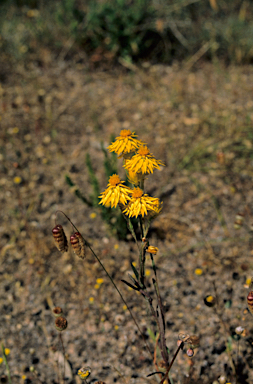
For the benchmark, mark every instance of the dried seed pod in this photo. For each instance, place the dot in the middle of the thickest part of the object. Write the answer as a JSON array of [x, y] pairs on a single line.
[[78, 244], [193, 341], [183, 336], [57, 311], [250, 301], [60, 238], [60, 323]]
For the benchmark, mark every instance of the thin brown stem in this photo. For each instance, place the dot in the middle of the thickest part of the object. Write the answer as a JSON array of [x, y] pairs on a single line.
[[161, 318], [172, 362], [122, 298], [65, 216], [63, 349]]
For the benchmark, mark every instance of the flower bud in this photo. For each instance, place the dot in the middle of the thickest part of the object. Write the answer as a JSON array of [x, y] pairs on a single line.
[[239, 330], [190, 352], [250, 301]]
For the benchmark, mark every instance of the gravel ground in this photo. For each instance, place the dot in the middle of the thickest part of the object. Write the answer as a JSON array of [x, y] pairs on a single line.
[[199, 123]]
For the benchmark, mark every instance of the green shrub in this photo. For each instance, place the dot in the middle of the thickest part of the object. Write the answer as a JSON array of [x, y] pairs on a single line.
[[133, 30], [119, 26]]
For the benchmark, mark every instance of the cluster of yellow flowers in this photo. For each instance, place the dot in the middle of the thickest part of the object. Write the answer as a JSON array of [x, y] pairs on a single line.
[[138, 162]]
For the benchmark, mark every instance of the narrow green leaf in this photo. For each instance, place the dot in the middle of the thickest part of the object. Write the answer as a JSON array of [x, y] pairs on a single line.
[[133, 280], [130, 285], [135, 271]]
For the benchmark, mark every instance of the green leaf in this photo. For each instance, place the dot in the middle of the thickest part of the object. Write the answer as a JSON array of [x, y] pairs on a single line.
[[134, 281], [135, 271], [151, 334], [130, 285]]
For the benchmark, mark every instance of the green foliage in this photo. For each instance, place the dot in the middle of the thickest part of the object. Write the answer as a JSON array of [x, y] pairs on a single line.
[[118, 26], [233, 38], [132, 30], [93, 181], [113, 217], [110, 162], [66, 13], [6, 363], [78, 192]]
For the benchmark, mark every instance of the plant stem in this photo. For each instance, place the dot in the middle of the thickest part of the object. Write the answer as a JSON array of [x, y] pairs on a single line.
[[122, 298], [63, 356], [172, 362], [112, 281], [6, 364]]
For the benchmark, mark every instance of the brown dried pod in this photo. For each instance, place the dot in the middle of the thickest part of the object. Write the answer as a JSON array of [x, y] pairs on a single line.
[[183, 336], [57, 311], [193, 341], [250, 301], [60, 238], [99, 382], [78, 244], [60, 323]]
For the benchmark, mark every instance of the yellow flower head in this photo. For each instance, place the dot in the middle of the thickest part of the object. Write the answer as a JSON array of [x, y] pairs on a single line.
[[141, 203], [115, 193], [198, 271], [152, 249], [209, 299], [84, 372], [125, 143], [143, 162]]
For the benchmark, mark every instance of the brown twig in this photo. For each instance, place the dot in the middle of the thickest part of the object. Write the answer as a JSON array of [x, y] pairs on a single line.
[[172, 362]]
